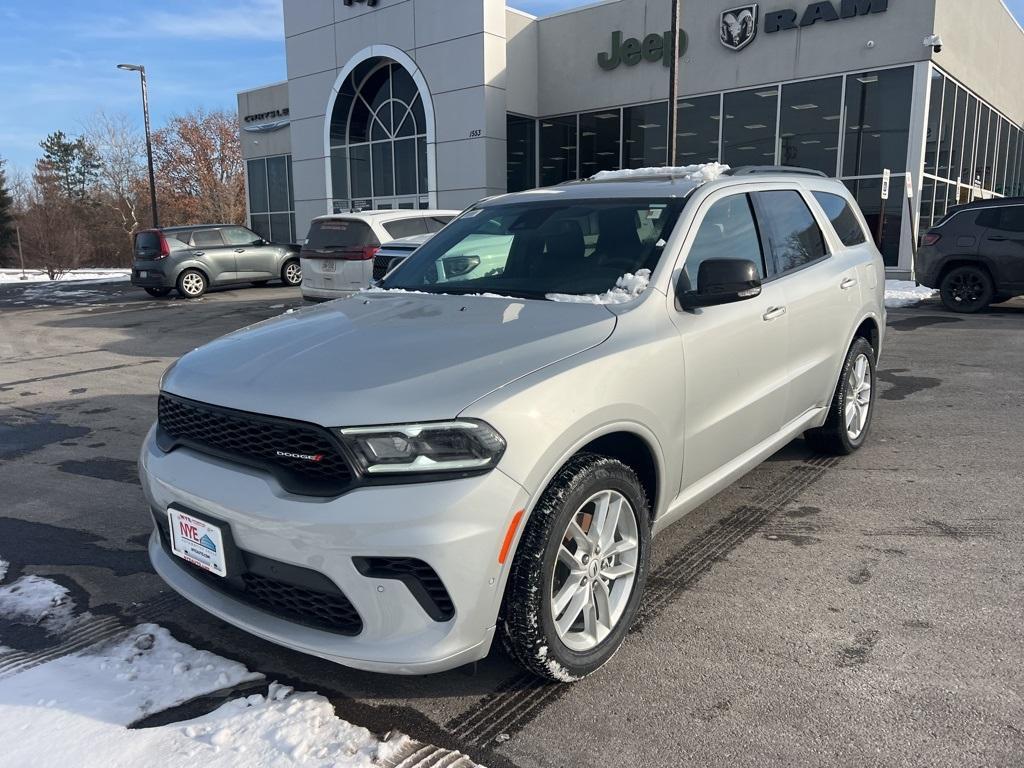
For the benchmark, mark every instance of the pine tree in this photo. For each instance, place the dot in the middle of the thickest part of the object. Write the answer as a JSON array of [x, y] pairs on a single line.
[[7, 237], [73, 164]]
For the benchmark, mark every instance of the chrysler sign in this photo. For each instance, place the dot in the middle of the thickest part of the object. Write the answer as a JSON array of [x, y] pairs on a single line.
[[739, 25]]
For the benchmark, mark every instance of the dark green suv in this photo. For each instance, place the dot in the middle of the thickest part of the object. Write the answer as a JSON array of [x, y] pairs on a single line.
[[191, 259]]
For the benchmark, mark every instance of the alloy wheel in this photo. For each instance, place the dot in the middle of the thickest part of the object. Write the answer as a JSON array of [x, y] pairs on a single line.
[[858, 397], [595, 571], [966, 288], [192, 284], [293, 274]]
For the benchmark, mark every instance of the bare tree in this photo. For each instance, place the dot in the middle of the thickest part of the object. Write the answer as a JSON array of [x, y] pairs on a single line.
[[121, 151]]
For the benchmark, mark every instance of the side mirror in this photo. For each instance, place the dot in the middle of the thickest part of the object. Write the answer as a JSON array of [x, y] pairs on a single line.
[[721, 281], [260, 241]]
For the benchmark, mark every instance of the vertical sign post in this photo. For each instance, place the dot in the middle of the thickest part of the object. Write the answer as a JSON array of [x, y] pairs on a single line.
[[913, 224], [886, 178]]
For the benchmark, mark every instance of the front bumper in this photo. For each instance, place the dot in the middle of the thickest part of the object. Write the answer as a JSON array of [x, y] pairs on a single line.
[[457, 527]]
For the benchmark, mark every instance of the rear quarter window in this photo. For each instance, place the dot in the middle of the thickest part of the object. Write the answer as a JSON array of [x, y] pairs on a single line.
[[844, 220], [406, 227], [207, 238], [340, 233]]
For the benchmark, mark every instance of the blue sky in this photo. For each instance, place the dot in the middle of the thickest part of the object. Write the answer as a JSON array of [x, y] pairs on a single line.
[[58, 57]]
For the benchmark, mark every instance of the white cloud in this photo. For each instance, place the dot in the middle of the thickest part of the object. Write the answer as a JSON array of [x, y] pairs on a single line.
[[241, 20]]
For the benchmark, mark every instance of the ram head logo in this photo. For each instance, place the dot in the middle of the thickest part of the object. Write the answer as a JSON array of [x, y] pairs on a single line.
[[739, 27]]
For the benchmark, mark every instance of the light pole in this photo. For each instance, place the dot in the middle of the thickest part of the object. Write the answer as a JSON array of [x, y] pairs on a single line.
[[673, 87], [149, 142]]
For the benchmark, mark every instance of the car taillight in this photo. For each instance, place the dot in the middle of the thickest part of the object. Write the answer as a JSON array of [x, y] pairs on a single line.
[[370, 251], [165, 247], [930, 238]]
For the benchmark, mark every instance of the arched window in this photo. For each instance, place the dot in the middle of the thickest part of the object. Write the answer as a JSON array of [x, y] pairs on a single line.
[[379, 140]]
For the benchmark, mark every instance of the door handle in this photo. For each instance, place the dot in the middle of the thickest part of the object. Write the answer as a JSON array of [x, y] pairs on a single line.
[[848, 283], [198, 253], [999, 239], [773, 313], [239, 250]]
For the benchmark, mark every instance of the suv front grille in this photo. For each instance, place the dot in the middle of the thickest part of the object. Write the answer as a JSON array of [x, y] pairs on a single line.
[[384, 263], [305, 458]]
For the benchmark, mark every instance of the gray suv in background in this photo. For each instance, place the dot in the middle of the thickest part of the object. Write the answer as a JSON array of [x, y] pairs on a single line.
[[975, 255], [191, 259]]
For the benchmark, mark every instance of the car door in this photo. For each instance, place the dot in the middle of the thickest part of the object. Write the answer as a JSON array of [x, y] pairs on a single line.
[[821, 293], [255, 259], [218, 257], [1003, 245], [736, 372]]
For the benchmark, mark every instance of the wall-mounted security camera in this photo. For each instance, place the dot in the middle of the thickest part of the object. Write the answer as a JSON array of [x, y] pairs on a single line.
[[934, 42]]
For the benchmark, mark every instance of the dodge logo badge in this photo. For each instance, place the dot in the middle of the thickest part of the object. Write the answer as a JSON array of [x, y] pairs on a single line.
[[739, 27]]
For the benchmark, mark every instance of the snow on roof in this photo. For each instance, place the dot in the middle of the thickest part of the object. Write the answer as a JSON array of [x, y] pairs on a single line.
[[703, 172]]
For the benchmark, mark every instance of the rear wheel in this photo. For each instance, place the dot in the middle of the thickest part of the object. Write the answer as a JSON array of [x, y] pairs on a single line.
[[291, 273], [967, 289], [577, 577], [853, 404], [158, 292], [192, 284]]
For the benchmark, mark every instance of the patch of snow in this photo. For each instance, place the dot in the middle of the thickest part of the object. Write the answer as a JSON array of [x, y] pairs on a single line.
[[35, 600], [702, 172], [627, 288], [74, 275], [557, 671], [903, 293]]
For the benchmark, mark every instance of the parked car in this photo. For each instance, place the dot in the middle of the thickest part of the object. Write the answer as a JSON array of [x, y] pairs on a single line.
[[337, 258], [393, 253], [449, 460], [191, 259], [975, 255]]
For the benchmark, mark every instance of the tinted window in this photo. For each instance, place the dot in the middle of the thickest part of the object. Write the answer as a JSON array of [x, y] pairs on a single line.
[[646, 133], [748, 127], [557, 150], [843, 219], [406, 228], [521, 153], [238, 236], [340, 233], [207, 237], [437, 223], [727, 232], [697, 130], [809, 124], [147, 243], [793, 236], [1011, 219], [600, 140]]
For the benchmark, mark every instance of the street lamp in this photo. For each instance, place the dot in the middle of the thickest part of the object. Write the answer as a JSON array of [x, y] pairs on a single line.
[[149, 143]]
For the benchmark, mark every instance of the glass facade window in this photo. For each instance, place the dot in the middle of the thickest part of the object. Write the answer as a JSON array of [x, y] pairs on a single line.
[[934, 128], [697, 123], [646, 135], [748, 126], [557, 150], [809, 124], [522, 152], [600, 141], [878, 121], [378, 140], [966, 173], [272, 198], [946, 126]]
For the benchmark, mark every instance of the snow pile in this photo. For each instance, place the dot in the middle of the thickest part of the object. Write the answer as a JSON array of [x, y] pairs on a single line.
[[73, 711], [74, 275], [627, 288], [701, 173], [903, 293], [35, 600]]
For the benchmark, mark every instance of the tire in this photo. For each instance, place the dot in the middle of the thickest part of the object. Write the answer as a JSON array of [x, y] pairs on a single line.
[[192, 284], [157, 292], [967, 289], [291, 272], [539, 576], [261, 283], [838, 436]]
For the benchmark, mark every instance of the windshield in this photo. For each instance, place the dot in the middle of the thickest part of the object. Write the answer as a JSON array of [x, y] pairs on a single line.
[[542, 250]]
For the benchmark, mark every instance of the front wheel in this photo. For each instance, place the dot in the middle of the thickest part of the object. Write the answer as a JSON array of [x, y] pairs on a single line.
[[967, 289], [853, 404], [291, 273], [579, 572]]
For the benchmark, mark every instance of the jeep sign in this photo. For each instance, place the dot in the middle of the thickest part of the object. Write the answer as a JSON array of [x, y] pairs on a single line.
[[632, 51]]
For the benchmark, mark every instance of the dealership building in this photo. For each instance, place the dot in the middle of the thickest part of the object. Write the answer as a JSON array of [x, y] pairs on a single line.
[[438, 103]]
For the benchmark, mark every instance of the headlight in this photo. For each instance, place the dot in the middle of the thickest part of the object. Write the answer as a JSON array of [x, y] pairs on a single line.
[[447, 446]]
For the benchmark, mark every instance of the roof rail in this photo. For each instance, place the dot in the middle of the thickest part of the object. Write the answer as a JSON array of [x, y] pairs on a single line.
[[749, 170]]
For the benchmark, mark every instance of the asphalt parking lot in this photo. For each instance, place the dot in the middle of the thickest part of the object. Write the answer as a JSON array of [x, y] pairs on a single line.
[[856, 611]]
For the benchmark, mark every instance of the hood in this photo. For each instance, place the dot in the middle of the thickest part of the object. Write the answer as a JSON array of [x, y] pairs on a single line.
[[385, 358]]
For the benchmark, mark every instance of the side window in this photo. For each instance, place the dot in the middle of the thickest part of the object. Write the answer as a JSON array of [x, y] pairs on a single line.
[[239, 236], [207, 238], [436, 223], [988, 218], [405, 228], [843, 219], [793, 237], [1011, 219], [185, 237], [726, 232]]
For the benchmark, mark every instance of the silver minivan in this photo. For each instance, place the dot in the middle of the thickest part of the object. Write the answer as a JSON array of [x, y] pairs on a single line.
[[396, 480]]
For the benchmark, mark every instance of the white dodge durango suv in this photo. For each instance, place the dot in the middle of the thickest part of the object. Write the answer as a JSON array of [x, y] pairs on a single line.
[[392, 480]]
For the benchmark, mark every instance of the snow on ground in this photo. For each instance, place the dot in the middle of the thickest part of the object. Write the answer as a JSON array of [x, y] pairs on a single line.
[[74, 710], [703, 172], [627, 288], [75, 275], [35, 600], [904, 293]]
